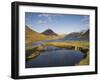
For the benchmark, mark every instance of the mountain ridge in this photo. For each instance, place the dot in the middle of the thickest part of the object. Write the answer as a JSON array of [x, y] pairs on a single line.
[[80, 35]]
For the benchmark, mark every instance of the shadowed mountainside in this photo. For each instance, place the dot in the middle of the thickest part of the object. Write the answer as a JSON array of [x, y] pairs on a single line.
[[81, 35], [49, 32], [85, 34], [74, 34]]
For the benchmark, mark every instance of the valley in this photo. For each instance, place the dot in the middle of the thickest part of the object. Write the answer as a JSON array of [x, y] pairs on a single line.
[[36, 43]]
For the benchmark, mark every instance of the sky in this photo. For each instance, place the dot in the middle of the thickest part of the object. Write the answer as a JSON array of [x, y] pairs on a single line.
[[59, 23]]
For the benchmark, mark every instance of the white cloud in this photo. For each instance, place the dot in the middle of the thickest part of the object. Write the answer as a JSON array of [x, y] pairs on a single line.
[[47, 17], [44, 19], [43, 15], [85, 19], [85, 22], [42, 22]]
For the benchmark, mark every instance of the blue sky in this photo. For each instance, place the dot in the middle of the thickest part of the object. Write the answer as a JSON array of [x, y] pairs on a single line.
[[59, 23]]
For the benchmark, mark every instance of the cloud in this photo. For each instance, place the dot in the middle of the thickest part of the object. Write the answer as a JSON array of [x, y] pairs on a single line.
[[43, 15], [47, 17], [44, 19], [85, 19], [42, 22]]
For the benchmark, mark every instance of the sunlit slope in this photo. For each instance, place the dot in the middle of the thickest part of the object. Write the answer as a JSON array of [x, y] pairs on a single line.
[[32, 36]]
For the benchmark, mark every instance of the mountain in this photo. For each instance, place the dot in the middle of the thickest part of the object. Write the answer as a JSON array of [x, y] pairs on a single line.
[[85, 34], [29, 31], [78, 35], [49, 32], [32, 36], [83, 31], [74, 34]]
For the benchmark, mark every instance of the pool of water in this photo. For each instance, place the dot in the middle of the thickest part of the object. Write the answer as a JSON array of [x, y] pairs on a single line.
[[54, 56]]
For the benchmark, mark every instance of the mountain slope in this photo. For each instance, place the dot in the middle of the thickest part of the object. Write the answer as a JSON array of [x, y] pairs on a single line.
[[49, 32], [32, 36], [85, 34], [74, 34]]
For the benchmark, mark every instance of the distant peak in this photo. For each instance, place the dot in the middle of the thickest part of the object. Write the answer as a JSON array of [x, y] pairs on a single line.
[[49, 32]]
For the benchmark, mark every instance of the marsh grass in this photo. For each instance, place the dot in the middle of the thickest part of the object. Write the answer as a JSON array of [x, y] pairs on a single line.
[[82, 44]]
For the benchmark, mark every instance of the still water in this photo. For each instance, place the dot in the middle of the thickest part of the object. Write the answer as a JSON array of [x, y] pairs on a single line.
[[54, 56]]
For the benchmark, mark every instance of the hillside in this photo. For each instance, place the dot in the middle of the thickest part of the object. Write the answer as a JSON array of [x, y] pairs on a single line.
[[32, 36]]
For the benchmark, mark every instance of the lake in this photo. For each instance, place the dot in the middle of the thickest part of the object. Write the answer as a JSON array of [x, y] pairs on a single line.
[[54, 56]]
